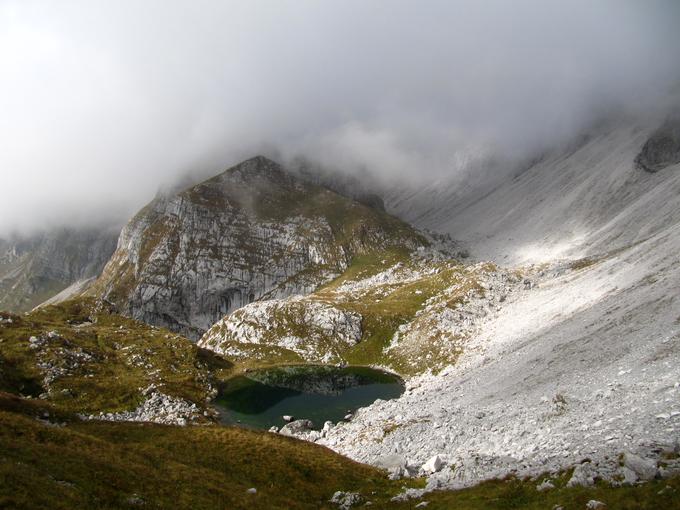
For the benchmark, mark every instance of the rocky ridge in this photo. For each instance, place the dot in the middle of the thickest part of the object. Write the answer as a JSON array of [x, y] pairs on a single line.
[[252, 232], [35, 267]]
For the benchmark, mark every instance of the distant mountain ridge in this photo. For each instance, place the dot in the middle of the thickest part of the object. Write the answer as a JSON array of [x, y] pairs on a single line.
[[35, 267]]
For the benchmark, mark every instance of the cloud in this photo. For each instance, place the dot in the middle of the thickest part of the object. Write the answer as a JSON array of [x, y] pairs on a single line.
[[104, 102]]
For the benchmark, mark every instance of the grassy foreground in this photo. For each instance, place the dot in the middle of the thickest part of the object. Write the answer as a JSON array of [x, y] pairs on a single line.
[[126, 465]]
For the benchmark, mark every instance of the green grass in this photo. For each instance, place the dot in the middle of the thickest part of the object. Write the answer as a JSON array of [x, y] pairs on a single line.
[[123, 357], [386, 307], [104, 465]]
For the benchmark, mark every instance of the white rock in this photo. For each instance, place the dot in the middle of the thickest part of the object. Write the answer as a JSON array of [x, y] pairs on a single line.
[[433, 465], [644, 468], [582, 476], [545, 486]]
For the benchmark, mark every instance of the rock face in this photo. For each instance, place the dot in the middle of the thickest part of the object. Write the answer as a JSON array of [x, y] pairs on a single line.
[[315, 331], [36, 267], [663, 147], [254, 231]]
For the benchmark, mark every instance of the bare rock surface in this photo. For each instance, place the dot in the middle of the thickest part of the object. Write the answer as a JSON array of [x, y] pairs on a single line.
[[253, 232], [315, 331]]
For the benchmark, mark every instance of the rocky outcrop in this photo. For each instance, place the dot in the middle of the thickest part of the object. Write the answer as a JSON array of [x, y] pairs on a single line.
[[157, 408], [36, 267], [313, 330], [252, 232], [663, 147]]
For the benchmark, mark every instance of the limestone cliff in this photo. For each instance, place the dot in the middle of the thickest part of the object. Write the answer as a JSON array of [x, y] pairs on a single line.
[[254, 231], [35, 267]]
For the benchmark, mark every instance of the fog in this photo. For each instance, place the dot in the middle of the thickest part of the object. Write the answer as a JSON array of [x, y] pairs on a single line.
[[102, 103]]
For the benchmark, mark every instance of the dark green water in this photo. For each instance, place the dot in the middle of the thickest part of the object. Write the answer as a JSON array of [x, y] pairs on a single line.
[[259, 399]]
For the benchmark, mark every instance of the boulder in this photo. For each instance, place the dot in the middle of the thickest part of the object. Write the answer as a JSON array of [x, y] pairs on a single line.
[[545, 486], [582, 476], [645, 469], [663, 147], [346, 500], [629, 476], [296, 427], [594, 504], [433, 465]]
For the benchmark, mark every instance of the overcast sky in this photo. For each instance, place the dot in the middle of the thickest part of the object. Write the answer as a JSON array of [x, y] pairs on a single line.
[[103, 102]]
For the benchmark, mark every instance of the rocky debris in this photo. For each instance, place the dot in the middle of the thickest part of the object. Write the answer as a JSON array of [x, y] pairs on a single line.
[[157, 408], [408, 494], [57, 357], [395, 465], [422, 504], [545, 485], [287, 418], [252, 490], [346, 500], [534, 391], [394, 275], [594, 504], [452, 316]]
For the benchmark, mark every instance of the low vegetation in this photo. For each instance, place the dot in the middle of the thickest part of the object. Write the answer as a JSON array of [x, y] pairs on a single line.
[[81, 358]]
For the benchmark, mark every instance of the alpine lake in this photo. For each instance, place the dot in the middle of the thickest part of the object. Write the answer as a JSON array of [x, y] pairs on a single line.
[[260, 398]]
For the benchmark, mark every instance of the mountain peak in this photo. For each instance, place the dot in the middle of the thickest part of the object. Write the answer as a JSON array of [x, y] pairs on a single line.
[[251, 232], [256, 168]]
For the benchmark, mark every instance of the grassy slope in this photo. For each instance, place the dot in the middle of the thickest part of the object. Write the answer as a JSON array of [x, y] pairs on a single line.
[[125, 356], [104, 465], [125, 465]]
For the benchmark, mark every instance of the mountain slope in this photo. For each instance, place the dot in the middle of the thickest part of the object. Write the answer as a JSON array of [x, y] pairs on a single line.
[[254, 231], [36, 267], [583, 365], [584, 199]]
